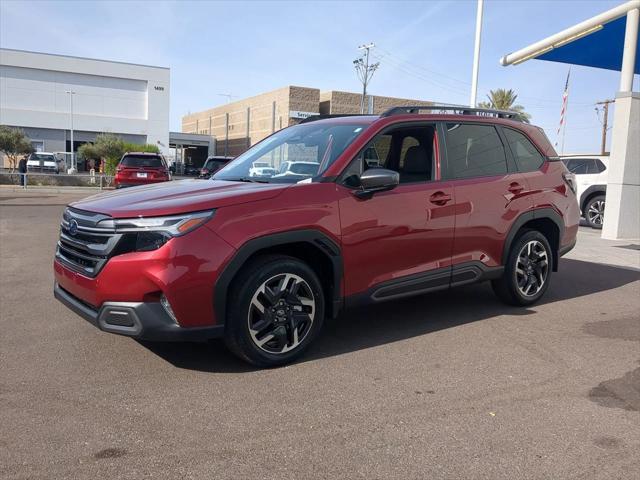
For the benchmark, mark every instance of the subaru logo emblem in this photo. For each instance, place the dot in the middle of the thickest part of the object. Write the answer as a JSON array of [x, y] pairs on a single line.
[[73, 227]]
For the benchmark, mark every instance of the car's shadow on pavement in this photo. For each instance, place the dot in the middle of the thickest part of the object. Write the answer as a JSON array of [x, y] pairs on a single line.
[[389, 322]]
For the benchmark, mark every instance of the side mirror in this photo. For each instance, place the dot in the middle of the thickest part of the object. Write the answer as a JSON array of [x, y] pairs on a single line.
[[376, 180]]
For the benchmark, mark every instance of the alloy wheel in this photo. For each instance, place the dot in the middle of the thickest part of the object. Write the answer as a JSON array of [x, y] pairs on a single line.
[[595, 213], [281, 313], [532, 268]]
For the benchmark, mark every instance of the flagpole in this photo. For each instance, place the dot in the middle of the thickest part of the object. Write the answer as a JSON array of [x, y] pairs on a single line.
[[564, 126], [563, 113]]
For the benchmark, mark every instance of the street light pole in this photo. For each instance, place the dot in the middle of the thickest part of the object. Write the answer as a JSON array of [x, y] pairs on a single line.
[[71, 93]]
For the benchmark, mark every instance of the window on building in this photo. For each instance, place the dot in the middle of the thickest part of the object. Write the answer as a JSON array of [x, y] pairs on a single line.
[[474, 151], [526, 155]]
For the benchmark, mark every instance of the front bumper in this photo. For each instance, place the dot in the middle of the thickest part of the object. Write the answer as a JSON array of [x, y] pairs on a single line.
[[140, 320]]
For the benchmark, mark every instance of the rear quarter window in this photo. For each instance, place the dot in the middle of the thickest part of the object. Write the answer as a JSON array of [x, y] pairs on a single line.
[[526, 155]]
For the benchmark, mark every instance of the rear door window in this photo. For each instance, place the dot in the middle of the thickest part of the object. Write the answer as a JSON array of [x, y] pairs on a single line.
[[527, 157], [474, 151]]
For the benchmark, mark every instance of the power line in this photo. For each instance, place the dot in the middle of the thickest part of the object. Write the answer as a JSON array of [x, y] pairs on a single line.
[[419, 70]]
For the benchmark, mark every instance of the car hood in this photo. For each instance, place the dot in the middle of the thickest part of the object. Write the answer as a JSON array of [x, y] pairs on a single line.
[[181, 196]]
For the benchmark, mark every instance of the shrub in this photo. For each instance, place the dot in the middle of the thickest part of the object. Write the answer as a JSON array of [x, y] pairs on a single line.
[[110, 148]]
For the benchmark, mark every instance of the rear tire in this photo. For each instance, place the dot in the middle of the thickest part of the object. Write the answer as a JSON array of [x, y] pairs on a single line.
[[275, 311], [594, 212], [527, 272]]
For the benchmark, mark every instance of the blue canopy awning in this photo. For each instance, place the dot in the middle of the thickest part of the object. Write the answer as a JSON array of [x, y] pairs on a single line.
[[601, 49]]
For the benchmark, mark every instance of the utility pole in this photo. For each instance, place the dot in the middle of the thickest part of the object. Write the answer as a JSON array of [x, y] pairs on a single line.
[[365, 71], [476, 56], [71, 93], [605, 123]]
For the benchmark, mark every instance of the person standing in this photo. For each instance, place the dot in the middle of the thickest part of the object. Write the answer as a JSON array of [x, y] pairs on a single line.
[[22, 170]]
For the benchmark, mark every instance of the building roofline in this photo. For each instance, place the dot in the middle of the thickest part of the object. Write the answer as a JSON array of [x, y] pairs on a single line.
[[83, 58]]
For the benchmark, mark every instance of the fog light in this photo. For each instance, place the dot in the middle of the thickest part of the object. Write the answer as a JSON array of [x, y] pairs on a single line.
[[167, 307]]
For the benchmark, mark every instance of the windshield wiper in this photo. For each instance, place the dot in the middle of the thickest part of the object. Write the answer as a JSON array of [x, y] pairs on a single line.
[[245, 179]]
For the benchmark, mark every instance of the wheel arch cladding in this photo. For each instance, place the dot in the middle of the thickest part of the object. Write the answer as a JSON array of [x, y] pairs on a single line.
[[546, 221], [313, 247]]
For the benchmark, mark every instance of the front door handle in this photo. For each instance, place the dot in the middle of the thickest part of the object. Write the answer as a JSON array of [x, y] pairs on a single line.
[[515, 188], [440, 198]]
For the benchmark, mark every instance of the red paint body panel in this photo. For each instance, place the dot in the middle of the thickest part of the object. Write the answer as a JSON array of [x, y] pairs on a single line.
[[184, 269], [485, 211], [393, 234]]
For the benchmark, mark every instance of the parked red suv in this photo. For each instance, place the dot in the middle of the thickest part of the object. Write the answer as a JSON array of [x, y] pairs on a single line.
[[140, 168], [414, 200]]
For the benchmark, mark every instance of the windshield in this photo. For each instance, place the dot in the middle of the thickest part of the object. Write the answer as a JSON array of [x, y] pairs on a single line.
[[292, 154], [41, 156], [141, 161]]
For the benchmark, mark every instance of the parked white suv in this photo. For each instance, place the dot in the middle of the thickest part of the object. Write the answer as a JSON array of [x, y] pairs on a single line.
[[591, 184], [44, 162]]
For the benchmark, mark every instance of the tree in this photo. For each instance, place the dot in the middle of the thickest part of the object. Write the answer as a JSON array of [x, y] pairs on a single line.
[[13, 143], [110, 148], [502, 99]]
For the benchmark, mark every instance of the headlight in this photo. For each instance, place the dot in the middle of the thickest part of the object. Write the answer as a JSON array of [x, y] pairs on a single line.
[[174, 226], [147, 234]]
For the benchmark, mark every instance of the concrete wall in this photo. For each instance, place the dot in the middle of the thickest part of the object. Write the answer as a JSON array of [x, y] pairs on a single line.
[[120, 98]]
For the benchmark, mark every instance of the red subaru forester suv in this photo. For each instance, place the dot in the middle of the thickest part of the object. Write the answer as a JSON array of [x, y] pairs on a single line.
[[141, 168], [415, 200]]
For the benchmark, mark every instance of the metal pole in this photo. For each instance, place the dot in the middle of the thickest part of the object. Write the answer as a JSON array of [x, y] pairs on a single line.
[[629, 53], [564, 125], [71, 94], [226, 134], [273, 117], [476, 56], [248, 122]]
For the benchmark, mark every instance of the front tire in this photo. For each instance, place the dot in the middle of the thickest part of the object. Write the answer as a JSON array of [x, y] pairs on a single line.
[[527, 272], [275, 311], [594, 212]]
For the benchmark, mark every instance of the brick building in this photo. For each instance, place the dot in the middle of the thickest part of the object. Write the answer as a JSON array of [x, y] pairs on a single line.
[[238, 125]]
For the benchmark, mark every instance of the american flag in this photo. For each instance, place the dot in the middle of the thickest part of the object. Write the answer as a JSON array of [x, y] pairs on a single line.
[[565, 99]]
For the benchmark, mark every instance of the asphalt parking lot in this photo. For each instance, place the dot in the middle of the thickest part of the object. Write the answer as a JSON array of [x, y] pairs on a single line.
[[449, 385]]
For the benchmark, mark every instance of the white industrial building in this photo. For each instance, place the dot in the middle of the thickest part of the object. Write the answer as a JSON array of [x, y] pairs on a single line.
[[49, 95]]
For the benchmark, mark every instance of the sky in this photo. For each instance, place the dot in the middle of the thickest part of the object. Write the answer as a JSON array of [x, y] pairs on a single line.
[[425, 49]]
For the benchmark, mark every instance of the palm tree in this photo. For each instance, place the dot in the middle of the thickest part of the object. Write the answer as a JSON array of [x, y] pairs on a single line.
[[502, 99]]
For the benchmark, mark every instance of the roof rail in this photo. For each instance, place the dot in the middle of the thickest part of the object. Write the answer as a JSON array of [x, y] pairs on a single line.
[[313, 118], [453, 109]]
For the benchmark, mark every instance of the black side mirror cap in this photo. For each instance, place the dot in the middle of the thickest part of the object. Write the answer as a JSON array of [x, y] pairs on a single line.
[[376, 180]]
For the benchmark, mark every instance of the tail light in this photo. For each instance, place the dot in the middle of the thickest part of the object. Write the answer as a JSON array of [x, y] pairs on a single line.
[[570, 179]]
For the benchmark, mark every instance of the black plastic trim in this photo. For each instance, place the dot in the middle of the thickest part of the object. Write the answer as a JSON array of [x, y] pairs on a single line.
[[566, 249], [425, 282], [537, 214], [313, 237], [142, 320]]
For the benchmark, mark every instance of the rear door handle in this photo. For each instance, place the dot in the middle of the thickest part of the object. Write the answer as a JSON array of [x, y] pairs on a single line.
[[440, 198], [515, 188]]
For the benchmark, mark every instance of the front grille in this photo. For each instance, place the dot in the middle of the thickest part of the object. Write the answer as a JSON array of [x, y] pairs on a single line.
[[83, 245]]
